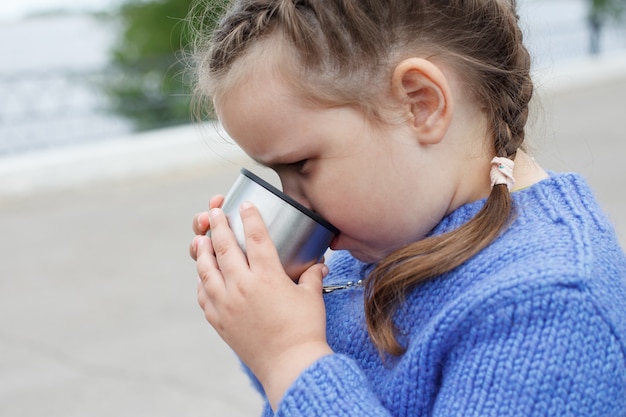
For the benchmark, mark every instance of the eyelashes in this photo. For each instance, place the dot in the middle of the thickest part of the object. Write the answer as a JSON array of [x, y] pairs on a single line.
[[299, 166]]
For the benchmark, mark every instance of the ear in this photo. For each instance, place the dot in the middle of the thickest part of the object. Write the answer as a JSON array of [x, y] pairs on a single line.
[[424, 92]]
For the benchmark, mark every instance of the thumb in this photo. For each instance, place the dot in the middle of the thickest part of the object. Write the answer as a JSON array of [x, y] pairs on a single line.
[[312, 278]]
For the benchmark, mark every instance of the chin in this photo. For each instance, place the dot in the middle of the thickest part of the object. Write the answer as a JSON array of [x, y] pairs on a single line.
[[357, 249], [365, 256]]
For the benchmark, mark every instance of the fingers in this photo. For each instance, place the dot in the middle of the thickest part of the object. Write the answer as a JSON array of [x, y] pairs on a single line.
[[193, 247], [200, 224], [260, 249], [313, 277], [206, 264], [261, 257], [210, 312], [216, 201], [230, 257], [210, 280]]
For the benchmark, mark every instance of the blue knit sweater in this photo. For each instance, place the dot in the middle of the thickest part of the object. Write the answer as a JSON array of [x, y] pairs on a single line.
[[534, 325]]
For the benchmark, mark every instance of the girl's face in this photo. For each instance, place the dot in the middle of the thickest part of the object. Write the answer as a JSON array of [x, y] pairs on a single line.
[[378, 185]]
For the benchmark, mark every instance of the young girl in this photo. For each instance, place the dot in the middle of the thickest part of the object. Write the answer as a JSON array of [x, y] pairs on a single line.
[[467, 280]]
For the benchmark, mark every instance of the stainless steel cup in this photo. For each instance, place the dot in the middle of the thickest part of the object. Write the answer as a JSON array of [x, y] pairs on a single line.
[[300, 235]]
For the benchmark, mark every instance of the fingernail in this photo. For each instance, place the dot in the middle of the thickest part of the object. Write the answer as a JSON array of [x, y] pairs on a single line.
[[245, 205], [213, 213], [324, 270]]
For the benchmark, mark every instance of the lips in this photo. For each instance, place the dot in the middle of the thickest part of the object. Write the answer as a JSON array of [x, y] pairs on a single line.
[[334, 242]]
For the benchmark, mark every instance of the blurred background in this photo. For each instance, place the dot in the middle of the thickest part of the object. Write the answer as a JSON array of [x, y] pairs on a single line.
[[74, 71], [101, 170]]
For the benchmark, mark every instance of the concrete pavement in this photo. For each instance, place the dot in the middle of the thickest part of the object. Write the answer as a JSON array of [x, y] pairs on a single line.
[[98, 310], [98, 315]]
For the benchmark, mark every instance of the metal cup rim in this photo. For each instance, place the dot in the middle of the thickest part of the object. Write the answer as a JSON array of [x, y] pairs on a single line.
[[269, 187]]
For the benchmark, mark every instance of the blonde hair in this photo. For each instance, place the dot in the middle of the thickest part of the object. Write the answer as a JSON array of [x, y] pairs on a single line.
[[346, 50]]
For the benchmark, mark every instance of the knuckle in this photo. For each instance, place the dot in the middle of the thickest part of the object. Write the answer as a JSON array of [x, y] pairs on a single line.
[[201, 299], [221, 249], [257, 236], [242, 288], [218, 325], [254, 227], [203, 271]]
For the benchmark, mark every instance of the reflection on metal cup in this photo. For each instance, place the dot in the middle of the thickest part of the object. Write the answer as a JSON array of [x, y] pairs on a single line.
[[300, 235]]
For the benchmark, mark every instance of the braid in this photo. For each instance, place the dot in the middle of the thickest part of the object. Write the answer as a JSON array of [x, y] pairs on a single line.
[[513, 94], [246, 22], [507, 90]]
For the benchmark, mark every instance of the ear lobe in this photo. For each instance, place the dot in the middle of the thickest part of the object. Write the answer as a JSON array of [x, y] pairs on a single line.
[[424, 91]]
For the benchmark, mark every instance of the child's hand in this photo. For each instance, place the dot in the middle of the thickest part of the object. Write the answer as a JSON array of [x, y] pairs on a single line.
[[200, 224], [277, 327]]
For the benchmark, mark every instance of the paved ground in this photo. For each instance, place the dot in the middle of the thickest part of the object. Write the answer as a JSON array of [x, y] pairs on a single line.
[[98, 315]]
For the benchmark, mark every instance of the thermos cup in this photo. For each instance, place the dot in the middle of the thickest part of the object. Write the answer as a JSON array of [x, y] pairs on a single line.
[[300, 235]]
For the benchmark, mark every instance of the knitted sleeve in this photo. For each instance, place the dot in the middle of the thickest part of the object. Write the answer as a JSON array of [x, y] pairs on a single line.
[[333, 386], [548, 354]]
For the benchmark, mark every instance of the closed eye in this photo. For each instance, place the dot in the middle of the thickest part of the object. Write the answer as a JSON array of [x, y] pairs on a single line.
[[299, 166]]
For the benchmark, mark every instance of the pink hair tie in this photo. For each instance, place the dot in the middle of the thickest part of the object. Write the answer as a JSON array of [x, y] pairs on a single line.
[[502, 172]]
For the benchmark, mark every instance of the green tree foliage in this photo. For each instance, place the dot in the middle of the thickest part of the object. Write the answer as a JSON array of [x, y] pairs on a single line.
[[606, 8], [147, 80], [599, 13]]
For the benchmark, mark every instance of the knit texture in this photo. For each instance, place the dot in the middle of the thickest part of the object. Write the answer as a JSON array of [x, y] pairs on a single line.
[[534, 325]]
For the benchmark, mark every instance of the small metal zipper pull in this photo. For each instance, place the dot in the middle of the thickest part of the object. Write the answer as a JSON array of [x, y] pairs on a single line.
[[326, 289]]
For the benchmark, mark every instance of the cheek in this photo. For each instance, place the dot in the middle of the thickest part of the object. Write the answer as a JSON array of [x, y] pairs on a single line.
[[363, 215], [376, 229], [349, 206], [357, 224]]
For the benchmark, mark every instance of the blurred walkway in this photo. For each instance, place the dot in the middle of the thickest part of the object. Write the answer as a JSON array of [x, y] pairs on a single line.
[[97, 292], [98, 315]]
